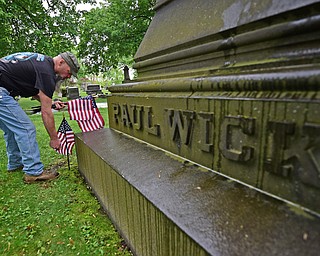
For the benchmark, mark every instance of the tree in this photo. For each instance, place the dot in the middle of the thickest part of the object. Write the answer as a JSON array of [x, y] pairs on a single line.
[[110, 35], [47, 26]]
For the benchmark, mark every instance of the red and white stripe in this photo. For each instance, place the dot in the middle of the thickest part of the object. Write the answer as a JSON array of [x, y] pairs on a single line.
[[97, 122], [66, 137], [66, 143], [80, 109], [86, 113]]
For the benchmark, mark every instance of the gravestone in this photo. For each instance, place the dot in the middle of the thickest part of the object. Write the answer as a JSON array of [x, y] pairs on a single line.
[[73, 93], [214, 149], [92, 89]]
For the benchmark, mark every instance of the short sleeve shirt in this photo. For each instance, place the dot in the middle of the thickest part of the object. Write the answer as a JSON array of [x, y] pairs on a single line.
[[26, 73]]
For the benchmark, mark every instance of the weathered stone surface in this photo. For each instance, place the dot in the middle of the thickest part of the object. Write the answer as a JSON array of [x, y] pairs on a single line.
[[165, 206], [179, 23], [213, 38], [232, 89], [241, 97], [269, 140]]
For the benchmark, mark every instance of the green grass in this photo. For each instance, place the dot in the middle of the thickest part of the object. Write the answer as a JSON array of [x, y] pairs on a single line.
[[61, 217]]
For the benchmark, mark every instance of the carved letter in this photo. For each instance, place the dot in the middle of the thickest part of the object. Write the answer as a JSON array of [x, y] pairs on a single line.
[[125, 115], [205, 130], [136, 115], [232, 138], [116, 112], [180, 124], [276, 144], [302, 156], [155, 130], [310, 172]]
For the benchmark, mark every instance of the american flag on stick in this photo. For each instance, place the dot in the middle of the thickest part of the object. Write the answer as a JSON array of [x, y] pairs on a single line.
[[66, 136], [86, 113]]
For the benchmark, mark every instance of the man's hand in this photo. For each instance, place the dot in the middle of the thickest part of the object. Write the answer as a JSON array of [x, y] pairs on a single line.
[[58, 104], [55, 143]]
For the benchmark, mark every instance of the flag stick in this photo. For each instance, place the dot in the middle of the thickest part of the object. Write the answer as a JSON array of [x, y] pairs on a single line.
[[68, 161], [68, 158]]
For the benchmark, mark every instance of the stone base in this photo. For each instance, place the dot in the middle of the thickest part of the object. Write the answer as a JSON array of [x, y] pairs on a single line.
[[164, 205]]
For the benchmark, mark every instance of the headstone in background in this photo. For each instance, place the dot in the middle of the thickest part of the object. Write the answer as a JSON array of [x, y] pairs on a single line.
[[73, 93], [92, 89]]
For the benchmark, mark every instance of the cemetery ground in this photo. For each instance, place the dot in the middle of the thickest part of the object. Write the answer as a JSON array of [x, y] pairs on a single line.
[[61, 217]]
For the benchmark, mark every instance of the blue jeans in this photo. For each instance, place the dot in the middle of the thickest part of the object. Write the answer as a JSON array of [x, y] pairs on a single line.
[[20, 136]]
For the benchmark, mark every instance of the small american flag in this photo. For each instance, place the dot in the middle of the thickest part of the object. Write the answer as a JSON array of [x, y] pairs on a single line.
[[86, 113], [66, 136], [80, 109]]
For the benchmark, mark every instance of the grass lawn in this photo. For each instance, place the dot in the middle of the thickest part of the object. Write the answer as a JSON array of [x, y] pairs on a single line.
[[60, 217]]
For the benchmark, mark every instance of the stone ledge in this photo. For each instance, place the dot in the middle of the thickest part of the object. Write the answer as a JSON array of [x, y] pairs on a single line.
[[205, 213]]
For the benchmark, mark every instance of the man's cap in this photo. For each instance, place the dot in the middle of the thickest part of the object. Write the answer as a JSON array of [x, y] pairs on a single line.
[[72, 61]]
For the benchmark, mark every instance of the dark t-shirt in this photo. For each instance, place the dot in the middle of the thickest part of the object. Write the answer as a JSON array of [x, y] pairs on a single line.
[[26, 73]]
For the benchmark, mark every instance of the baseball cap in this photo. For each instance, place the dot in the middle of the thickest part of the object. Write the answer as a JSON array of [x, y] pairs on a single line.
[[72, 61]]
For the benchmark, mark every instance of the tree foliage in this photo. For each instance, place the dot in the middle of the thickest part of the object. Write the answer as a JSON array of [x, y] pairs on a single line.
[[111, 34], [48, 26]]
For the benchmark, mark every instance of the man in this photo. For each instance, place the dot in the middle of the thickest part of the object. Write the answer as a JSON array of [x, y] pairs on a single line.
[[31, 75]]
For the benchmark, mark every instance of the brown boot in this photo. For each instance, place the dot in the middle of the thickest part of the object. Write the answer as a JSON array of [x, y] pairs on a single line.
[[45, 176]]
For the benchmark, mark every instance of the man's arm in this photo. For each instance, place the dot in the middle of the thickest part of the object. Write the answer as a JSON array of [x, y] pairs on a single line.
[[57, 103], [48, 119]]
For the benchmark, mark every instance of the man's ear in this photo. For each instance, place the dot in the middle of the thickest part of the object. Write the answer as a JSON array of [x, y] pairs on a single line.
[[61, 61]]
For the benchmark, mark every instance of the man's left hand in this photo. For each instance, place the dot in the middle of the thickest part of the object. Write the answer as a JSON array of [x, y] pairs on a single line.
[[58, 104]]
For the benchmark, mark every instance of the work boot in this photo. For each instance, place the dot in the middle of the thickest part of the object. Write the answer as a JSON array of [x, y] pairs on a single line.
[[16, 169], [45, 176]]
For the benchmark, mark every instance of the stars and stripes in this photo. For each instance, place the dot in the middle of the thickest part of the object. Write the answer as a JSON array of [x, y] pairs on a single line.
[[86, 113], [80, 109], [66, 136]]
